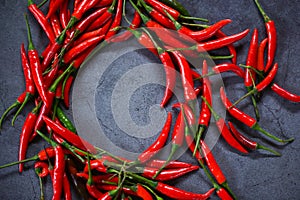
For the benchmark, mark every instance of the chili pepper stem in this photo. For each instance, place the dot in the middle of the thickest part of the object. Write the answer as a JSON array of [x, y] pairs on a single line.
[[27, 98], [200, 132], [256, 111], [265, 16], [14, 105], [42, 3], [259, 146], [18, 162], [253, 91], [258, 128], [173, 150], [194, 18], [41, 185]]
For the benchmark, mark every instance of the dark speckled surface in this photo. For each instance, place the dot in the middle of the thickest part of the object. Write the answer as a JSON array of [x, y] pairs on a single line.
[[256, 176]]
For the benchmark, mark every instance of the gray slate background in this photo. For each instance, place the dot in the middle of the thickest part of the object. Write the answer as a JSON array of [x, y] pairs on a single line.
[[256, 176]]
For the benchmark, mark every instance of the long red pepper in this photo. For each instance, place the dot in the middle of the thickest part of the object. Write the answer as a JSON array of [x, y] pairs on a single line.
[[40, 17], [205, 113], [67, 188], [56, 26], [186, 77], [246, 119], [69, 136], [272, 36], [169, 68], [224, 67], [172, 164], [248, 143], [168, 174], [202, 34], [250, 76], [35, 67], [117, 20], [284, 93], [64, 14], [53, 7], [177, 139], [224, 130], [261, 55], [26, 133], [230, 47], [159, 142]]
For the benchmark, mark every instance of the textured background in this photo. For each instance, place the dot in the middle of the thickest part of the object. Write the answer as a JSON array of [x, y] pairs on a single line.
[[256, 176]]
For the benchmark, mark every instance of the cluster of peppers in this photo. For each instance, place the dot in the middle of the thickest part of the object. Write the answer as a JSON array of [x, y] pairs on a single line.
[[97, 174]]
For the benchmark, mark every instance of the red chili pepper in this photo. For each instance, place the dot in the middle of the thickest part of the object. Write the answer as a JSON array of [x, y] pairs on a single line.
[[98, 32], [177, 140], [186, 77], [91, 187], [168, 174], [64, 14], [247, 142], [272, 36], [70, 136], [58, 172], [55, 23], [109, 195], [158, 143], [246, 119], [75, 51], [40, 17], [67, 188], [225, 132], [220, 68], [103, 3], [172, 164], [220, 42], [53, 7], [261, 55], [44, 168], [35, 67], [223, 194], [202, 34], [117, 20], [143, 193], [29, 83], [284, 93], [26, 133]]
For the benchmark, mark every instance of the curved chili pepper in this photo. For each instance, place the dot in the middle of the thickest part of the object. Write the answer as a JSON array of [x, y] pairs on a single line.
[[223, 194], [247, 142], [44, 168], [261, 55], [117, 20], [91, 187], [40, 17], [54, 5], [224, 131], [158, 143], [272, 36], [177, 6], [64, 14], [284, 93], [220, 42], [246, 119], [35, 67], [95, 164], [26, 133], [55, 23], [168, 174], [177, 140], [202, 34], [158, 16], [224, 67], [69, 136], [186, 77], [103, 18], [172, 164], [75, 51]]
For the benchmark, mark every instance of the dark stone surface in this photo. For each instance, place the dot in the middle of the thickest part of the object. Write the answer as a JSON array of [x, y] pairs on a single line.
[[257, 176]]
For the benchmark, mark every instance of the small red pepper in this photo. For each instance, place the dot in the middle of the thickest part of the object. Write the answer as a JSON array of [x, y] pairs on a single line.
[[261, 55], [44, 168]]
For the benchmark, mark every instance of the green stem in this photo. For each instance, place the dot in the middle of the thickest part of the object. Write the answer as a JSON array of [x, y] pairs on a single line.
[[30, 43], [265, 16], [253, 91], [257, 127], [259, 73], [216, 116], [198, 137], [27, 98], [42, 3], [14, 105], [21, 161], [152, 192], [56, 82], [54, 144], [259, 146]]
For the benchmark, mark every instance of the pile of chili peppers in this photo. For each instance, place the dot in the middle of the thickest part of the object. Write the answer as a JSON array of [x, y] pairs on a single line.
[[74, 29]]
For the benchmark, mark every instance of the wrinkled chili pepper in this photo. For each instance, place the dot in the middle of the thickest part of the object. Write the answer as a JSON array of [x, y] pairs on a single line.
[[247, 142], [246, 119], [44, 168], [158, 143]]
